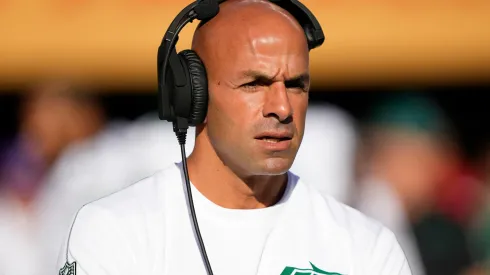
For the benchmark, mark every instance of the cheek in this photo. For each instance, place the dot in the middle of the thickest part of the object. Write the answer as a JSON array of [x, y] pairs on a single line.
[[232, 110]]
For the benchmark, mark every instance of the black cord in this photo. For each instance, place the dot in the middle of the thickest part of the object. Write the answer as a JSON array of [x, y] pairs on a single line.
[[181, 136]]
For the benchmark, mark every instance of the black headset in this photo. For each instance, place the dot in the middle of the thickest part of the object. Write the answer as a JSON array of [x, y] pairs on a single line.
[[183, 83]]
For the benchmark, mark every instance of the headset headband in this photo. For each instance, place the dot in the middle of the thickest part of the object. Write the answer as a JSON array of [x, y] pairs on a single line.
[[205, 10]]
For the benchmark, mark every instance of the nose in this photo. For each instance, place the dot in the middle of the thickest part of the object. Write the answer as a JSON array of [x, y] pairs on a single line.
[[277, 103]]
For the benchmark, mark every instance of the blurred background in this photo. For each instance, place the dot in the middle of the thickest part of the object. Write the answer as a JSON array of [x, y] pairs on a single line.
[[397, 128]]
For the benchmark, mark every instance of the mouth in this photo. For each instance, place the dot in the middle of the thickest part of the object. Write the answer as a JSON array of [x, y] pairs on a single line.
[[274, 137]]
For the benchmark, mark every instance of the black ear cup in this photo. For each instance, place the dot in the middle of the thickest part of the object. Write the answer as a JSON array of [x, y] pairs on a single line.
[[199, 86]]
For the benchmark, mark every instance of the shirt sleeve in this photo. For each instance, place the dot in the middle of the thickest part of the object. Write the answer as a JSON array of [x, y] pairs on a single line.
[[387, 257], [94, 246]]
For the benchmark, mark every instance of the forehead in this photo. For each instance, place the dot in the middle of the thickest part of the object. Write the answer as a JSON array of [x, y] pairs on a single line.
[[266, 51]]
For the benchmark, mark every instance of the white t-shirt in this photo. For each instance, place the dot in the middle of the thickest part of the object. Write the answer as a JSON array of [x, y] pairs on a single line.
[[146, 229]]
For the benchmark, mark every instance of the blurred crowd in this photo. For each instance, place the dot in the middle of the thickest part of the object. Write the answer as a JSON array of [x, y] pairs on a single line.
[[401, 164]]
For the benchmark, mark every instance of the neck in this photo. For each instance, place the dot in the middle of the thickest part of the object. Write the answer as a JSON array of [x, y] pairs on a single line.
[[224, 187]]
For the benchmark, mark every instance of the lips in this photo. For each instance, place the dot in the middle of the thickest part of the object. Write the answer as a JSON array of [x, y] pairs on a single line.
[[275, 141], [274, 137]]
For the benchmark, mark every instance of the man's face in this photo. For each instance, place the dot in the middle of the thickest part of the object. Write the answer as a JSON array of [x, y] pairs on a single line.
[[258, 97]]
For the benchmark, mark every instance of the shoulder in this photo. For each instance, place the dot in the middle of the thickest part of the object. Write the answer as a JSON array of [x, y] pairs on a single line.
[[144, 195], [342, 215], [366, 233], [132, 209], [373, 245], [352, 219]]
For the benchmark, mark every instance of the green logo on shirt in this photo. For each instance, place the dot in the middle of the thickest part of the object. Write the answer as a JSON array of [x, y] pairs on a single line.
[[69, 269], [299, 271]]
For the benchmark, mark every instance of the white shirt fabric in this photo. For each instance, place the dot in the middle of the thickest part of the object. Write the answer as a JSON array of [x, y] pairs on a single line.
[[146, 229], [377, 200]]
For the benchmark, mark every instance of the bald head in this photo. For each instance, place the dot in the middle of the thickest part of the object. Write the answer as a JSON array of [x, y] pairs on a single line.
[[245, 25]]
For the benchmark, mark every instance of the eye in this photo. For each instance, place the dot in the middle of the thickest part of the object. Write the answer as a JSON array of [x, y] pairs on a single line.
[[296, 86], [253, 85], [298, 89], [250, 84], [249, 87]]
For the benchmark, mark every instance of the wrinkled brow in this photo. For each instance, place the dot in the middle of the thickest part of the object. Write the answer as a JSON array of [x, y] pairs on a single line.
[[262, 77]]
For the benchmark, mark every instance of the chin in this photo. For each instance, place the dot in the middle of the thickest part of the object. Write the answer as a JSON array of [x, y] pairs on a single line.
[[276, 166]]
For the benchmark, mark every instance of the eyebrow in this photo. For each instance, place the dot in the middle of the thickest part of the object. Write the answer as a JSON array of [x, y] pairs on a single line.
[[262, 77]]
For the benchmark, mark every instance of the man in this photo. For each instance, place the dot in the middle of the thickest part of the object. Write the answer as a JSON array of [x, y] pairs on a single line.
[[255, 216]]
